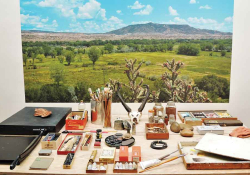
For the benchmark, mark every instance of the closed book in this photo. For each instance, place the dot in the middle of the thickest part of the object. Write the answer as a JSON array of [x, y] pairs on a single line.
[[41, 163]]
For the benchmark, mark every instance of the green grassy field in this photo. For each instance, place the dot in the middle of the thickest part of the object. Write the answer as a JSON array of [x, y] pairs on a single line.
[[195, 67]]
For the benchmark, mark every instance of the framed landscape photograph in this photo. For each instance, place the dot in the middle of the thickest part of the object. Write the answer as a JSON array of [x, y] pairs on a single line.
[[182, 49]]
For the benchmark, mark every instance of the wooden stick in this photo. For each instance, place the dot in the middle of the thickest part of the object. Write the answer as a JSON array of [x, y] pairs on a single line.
[[166, 161]]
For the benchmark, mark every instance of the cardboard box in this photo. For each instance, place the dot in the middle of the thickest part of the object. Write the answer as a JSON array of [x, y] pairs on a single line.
[[216, 129], [60, 152], [54, 144], [123, 154], [107, 155], [136, 153], [76, 124]]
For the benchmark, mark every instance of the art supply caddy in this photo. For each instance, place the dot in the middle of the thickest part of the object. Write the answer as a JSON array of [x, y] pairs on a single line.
[[107, 145]]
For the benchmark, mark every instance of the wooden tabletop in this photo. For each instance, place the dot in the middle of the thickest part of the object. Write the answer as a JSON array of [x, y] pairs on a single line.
[[82, 157]]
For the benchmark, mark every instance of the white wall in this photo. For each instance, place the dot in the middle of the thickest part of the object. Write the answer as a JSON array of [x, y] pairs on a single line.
[[11, 71], [240, 76]]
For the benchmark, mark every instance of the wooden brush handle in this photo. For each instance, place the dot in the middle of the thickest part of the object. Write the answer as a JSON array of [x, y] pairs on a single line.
[[166, 161]]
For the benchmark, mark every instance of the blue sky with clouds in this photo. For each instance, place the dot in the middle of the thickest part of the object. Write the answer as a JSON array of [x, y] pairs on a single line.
[[99, 16]]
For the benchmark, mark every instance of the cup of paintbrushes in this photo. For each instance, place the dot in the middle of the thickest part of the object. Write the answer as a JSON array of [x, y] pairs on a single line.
[[97, 112], [107, 102]]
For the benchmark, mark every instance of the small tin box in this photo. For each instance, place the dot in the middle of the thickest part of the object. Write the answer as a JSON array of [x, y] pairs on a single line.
[[216, 129]]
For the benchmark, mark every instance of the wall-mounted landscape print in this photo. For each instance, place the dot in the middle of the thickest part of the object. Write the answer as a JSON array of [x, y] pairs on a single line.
[[181, 48]]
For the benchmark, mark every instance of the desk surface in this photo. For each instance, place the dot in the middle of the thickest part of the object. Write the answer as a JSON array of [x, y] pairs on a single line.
[[82, 157]]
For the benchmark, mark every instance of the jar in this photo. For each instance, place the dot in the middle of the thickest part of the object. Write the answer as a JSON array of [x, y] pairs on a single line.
[[171, 119], [158, 109], [81, 106], [156, 119], [151, 116], [171, 109]]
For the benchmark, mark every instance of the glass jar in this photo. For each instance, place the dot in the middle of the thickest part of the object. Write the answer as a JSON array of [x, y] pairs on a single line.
[[171, 119], [171, 109], [81, 106], [151, 116], [158, 109]]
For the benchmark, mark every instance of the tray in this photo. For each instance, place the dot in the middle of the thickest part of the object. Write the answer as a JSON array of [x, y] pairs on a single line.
[[155, 136], [67, 152], [125, 171], [97, 171], [199, 160]]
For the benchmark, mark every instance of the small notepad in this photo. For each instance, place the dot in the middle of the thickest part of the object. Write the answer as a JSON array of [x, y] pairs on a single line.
[[41, 163]]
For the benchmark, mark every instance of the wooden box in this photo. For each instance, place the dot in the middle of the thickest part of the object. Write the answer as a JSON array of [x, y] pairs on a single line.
[[199, 122], [156, 136], [199, 160], [97, 171], [125, 170], [109, 158], [69, 166], [59, 152], [54, 144], [87, 141], [76, 124]]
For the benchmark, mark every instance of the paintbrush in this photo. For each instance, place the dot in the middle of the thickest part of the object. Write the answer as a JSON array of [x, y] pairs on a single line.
[[163, 162]]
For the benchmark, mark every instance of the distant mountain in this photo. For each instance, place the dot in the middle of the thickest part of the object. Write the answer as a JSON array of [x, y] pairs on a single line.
[[165, 29]]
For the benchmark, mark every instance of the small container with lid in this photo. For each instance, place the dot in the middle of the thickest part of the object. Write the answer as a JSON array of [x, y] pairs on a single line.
[[158, 109], [151, 116], [81, 106], [171, 119], [171, 109]]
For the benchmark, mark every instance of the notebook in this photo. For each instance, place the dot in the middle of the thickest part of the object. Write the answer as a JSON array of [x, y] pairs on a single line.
[[41, 163]]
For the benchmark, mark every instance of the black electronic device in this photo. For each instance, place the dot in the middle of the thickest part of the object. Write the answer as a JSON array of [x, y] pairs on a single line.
[[25, 123]]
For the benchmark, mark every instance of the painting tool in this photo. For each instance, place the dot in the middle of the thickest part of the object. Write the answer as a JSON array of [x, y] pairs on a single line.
[[81, 132], [166, 161], [152, 162]]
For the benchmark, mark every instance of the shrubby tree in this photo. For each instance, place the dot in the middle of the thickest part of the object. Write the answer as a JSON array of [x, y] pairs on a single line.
[[94, 54], [223, 53], [69, 55], [217, 86], [188, 49], [25, 58], [61, 58], [57, 73], [109, 47], [40, 57]]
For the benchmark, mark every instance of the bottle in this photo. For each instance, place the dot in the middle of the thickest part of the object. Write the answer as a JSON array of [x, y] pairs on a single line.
[[151, 116], [81, 106], [171, 109]]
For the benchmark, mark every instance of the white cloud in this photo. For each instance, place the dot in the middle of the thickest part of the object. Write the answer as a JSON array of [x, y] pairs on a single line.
[[201, 20], [140, 22], [172, 11], [136, 5], [112, 23], [90, 10], [47, 3], [38, 23], [145, 11], [45, 20], [86, 27], [118, 11], [206, 7], [192, 2], [29, 2], [66, 12], [229, 19], [180, 20]]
